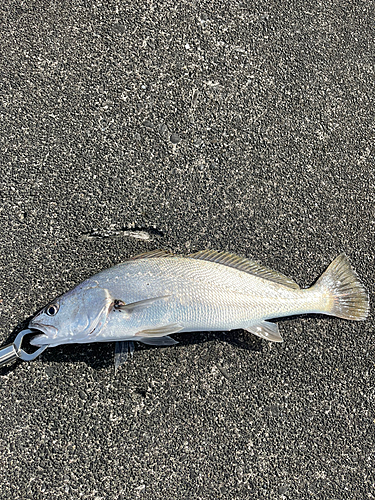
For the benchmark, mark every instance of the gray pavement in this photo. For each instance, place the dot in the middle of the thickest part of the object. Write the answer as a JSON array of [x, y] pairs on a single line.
[[239, 126]]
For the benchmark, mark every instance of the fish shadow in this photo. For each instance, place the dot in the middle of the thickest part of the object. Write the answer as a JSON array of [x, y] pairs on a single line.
[[100, 355]]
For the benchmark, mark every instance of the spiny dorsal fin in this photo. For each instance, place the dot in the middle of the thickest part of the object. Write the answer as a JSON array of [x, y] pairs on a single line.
[[152, 254], [245, 265]]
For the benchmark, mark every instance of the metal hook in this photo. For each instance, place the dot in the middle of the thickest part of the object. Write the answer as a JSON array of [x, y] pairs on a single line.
[[12, 352]]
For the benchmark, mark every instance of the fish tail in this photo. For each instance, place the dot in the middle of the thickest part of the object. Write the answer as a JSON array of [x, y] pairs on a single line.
[[346, 296]]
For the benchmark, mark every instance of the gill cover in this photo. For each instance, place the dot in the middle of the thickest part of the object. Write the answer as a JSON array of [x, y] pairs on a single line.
[[81, 313]]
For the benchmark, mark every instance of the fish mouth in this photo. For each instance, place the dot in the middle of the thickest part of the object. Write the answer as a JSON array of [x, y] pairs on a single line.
[[45, 334], [39, 340]]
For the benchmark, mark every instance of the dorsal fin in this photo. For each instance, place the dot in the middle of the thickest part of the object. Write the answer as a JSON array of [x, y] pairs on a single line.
[[152, 254], [245, 265]]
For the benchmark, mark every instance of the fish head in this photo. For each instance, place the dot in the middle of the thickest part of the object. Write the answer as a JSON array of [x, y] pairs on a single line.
[[75, 317]]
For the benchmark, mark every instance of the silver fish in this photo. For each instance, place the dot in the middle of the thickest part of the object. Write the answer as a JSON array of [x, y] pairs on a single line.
[[151, 296]]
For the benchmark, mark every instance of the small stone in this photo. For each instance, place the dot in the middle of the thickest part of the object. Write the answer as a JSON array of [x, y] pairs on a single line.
[[82, 395], [148, 125], [163, 128], [175, 138], [119, 28], [283, 489]]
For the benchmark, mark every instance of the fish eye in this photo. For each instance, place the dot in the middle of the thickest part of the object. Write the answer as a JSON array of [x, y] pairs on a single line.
[[52, 309]]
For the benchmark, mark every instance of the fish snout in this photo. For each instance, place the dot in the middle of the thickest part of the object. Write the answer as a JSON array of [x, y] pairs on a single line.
[[45, 333], [40, 340]]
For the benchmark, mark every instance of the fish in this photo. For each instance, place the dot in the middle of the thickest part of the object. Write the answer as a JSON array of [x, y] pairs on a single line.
[[152, 296]]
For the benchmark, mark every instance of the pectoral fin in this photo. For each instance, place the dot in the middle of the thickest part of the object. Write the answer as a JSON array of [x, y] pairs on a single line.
[[266, 330], [135, 306]]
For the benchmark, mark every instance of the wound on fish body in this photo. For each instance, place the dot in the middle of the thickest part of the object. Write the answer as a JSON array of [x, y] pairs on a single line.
[[151, 296]]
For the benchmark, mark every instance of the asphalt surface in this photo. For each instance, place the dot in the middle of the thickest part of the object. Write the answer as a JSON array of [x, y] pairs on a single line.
[[239, 126]]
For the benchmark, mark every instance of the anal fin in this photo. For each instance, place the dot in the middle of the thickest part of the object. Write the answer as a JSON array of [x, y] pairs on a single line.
[[266, 330]]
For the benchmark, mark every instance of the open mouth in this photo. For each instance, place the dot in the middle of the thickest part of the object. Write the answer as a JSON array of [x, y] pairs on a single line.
[[45, 333], [39, 340]]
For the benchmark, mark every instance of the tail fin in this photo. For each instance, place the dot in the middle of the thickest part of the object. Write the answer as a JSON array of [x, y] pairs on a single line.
[[348, 297]]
